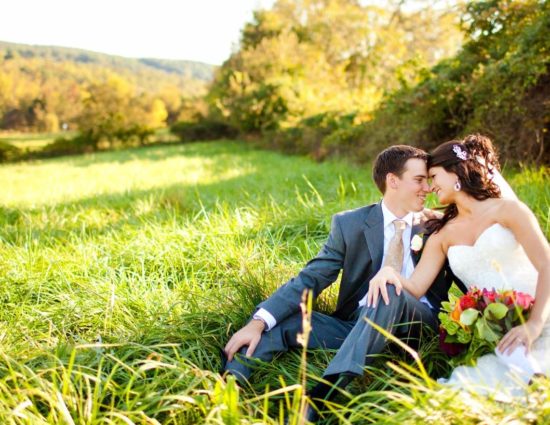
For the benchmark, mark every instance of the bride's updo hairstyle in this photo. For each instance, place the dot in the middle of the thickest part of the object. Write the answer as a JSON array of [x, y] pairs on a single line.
[[472, 159]]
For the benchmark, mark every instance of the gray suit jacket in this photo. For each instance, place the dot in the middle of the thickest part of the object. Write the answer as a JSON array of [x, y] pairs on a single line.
[[355, 247]]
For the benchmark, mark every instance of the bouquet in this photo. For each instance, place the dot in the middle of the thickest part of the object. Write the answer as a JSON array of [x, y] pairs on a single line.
[[472, 325]]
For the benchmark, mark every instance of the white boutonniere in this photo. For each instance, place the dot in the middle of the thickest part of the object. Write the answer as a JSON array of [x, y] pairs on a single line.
[[417, 242]]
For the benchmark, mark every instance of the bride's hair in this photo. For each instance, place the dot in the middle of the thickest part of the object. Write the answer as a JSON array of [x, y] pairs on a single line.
[[473, 159]]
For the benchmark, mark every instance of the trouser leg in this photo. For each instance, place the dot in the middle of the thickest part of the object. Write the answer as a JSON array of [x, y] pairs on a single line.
[[327, 332], [402, 312]]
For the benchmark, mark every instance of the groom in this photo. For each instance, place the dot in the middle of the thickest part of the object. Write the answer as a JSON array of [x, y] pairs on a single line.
[[359, 243]]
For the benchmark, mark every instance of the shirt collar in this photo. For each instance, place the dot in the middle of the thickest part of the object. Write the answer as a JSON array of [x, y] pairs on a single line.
[[389, 217]]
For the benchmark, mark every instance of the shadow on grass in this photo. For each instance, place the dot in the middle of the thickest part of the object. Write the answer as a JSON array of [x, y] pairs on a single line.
[[265, 185], [182, 201], [156, 152]]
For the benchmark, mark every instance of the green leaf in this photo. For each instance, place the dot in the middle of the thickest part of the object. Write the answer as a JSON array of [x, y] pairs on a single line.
[[446, 306], [449, 324], [463, 336], [495, 311], [453, 298], [508, 322], [454, 293], [486, 332], [469, 316], [451, 338]]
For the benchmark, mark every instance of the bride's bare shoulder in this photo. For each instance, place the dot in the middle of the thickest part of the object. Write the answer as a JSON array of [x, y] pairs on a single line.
[[502, 206], [507, 205], [512, 209], [444, 235]]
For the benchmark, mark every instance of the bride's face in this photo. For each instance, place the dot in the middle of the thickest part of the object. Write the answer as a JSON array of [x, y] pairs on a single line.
[[442, 184]]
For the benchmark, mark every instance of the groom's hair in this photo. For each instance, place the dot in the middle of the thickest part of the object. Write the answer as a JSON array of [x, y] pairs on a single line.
[[392, 160]]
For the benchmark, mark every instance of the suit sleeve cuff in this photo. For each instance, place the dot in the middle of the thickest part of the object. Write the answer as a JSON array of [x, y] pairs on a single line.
[[267, 317]]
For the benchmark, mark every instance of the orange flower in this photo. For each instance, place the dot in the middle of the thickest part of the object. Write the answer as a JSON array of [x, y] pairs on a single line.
[[455, 315]]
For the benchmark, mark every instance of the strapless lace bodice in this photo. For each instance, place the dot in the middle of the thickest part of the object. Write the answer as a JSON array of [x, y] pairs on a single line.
[[496, 260]]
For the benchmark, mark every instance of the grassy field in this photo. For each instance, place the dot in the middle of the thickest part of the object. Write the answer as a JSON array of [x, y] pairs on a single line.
[[31, 142], [34, 142], [124, 273]]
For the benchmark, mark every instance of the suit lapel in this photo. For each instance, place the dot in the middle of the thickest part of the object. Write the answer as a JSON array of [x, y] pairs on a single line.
[[374, 234]]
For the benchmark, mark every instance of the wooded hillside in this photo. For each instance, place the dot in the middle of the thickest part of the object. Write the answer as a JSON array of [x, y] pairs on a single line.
[[42, 87], [339, 77]]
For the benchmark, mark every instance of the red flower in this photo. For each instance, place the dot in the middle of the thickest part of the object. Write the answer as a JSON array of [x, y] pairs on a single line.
[[450, 348], [482, 304], [508, 301], [467, 301], [480, 300], [475, 292], [490, 296], [525, 301]]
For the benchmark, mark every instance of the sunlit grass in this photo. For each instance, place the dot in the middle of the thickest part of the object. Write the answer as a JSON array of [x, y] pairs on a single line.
[[124, 273], [72, 179], [32, 141]]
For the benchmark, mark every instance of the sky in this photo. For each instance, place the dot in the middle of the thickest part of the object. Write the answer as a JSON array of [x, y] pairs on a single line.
[[198, 30]]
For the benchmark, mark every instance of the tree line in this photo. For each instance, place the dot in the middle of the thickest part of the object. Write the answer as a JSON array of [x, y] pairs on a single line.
[[340, 77], [320, 77], [48, 89]]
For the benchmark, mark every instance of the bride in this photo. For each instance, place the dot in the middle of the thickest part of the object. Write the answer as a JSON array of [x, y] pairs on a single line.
[[491, 241]]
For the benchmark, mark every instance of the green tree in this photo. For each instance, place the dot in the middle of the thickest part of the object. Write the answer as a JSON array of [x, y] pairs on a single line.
[[113, 113], [309, 57], [497, 84]]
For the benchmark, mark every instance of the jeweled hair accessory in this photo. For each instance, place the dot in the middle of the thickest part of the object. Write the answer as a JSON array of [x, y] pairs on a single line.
[[460, 153]]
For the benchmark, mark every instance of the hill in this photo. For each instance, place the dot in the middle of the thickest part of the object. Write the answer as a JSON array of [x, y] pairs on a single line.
[[42, 86], [188, 69]]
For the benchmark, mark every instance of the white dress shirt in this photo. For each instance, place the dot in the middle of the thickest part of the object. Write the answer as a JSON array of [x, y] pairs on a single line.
[[389, 232]]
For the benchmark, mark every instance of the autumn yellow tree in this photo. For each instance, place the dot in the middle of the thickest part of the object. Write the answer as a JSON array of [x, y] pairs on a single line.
[[113, 113], [308, 57]]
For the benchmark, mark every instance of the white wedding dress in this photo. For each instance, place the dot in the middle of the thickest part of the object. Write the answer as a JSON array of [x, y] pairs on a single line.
[[497, 260]]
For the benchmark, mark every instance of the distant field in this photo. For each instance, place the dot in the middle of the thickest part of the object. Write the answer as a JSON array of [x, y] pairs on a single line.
[[31, 142], [123, 274]]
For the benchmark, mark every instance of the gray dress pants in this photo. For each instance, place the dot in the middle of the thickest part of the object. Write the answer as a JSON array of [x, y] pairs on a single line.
[[354, 339]]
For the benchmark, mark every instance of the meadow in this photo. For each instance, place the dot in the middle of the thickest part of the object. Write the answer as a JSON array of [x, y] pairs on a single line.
[[124, 273]]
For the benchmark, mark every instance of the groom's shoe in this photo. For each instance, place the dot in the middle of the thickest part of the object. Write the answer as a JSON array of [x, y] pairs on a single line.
[[311, 414], [223, 361], [328, 389], [323, 392]]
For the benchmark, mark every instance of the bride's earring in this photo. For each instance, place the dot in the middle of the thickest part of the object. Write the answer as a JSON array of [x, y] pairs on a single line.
[[457, 186]]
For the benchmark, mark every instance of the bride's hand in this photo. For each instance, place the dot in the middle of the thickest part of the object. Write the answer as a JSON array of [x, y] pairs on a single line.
[[377, 285], [524, 334]]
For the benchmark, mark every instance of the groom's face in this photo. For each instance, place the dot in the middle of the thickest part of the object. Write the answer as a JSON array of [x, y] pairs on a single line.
[[412, 187]]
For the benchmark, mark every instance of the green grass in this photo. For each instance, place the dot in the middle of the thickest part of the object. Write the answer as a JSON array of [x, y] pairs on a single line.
[[34, 143], [123, 274]]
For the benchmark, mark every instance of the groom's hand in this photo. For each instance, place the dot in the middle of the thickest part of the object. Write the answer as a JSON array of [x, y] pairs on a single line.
[[377, 286], [248, 335], [432, 214]]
